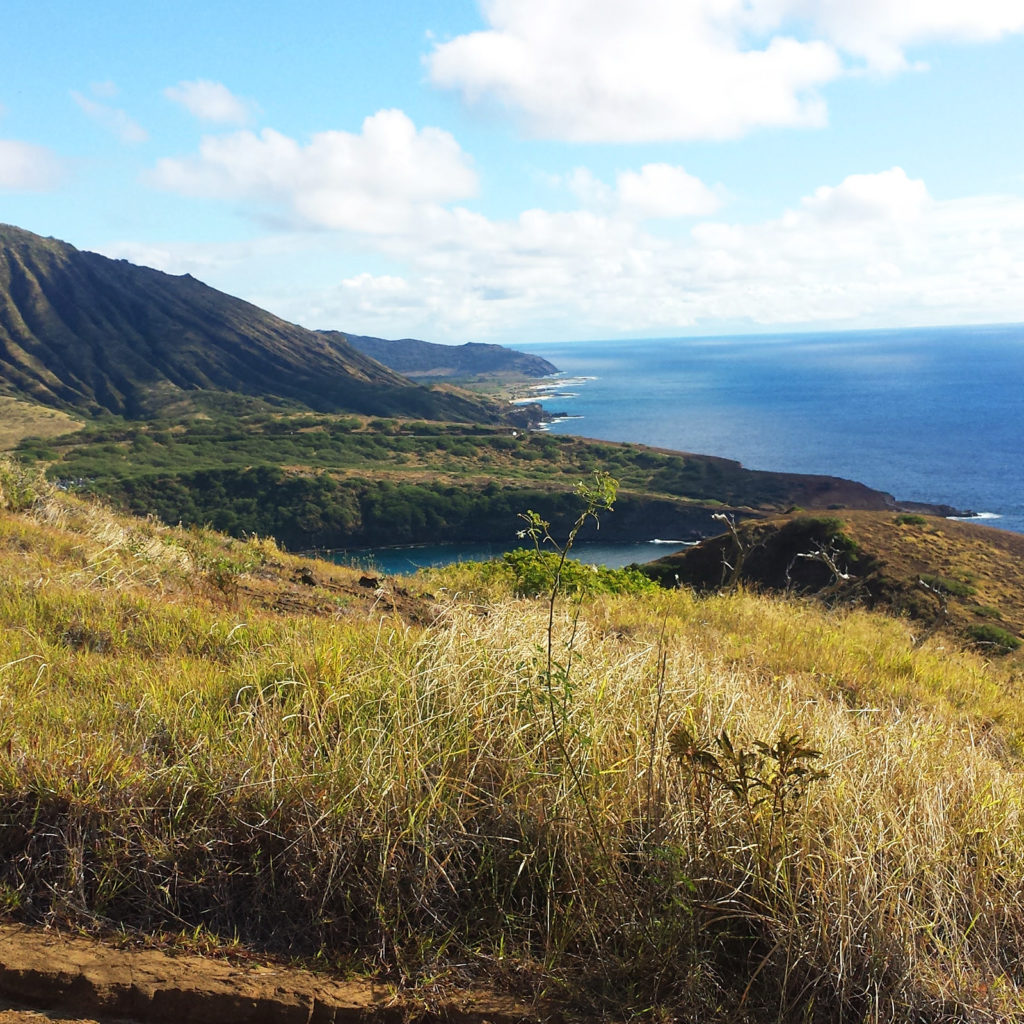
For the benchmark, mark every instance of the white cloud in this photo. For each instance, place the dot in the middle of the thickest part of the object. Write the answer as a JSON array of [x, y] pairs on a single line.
[[112, 119], [874, 250], [588, 189], [198, 260], [880, 31], [604, 71], [376, 182], [888, 196], [656, 191], [28, 167], [660, 190], [598, 70], [210, 101]]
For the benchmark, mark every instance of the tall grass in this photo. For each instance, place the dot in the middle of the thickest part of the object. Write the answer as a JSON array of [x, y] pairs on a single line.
[[399, 798]]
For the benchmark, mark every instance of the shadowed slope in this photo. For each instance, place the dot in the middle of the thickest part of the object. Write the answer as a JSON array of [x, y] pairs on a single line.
[[83, 331]]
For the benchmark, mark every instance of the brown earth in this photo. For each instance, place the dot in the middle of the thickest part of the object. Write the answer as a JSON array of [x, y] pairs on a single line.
[[11, 1013], [47, 975], [306, 587]]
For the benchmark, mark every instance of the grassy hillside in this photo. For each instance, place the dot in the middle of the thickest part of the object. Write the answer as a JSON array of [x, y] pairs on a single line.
[[955, 576], [83, 332], [20, 420], [657, 804]]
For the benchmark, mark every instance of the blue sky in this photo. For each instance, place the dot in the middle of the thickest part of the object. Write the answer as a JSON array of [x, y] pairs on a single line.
[[528, 170]]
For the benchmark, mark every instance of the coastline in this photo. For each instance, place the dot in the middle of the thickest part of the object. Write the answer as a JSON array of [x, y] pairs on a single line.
[[647, 390]]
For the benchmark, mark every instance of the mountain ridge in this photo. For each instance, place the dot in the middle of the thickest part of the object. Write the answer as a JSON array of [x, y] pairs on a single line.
[[81, 331], [429, 360]]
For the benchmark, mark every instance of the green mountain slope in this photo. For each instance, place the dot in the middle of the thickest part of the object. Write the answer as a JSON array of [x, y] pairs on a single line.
[[78, 330], [428, 359]]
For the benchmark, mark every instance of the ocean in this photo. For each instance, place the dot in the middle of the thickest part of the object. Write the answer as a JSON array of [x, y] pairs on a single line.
[[930, 414]]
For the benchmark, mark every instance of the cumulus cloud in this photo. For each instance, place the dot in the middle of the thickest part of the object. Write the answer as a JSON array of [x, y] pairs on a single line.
[[873, 250], [111, 119], [602, 71], [375, 182], [656, 191], [889, 196], [880, 31], [28, 167], [210, 101], [598, 70], [661, 190]]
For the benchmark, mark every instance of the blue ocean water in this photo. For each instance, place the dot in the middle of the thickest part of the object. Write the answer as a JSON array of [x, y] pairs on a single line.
[[408, 558], [931, 414]]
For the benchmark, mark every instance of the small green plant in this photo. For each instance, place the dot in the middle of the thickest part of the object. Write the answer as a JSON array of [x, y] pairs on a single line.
[[558, 690], [11, 898], [985, 611], [946, 585], [18, 487], [993, 638], [910, 519], [768, 780], [598, 496], [221, 567]]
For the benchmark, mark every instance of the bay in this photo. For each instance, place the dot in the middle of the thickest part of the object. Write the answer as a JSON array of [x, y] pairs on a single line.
[[407, 559], [927, 414]]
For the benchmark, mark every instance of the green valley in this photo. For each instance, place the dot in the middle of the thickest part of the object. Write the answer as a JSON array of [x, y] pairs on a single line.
[[316, 480]]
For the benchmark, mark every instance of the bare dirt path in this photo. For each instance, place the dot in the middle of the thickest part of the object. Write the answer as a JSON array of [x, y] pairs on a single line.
[[72, 978], [12, 1014]]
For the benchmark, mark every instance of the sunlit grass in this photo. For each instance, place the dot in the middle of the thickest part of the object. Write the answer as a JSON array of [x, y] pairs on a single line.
[[428, 801]]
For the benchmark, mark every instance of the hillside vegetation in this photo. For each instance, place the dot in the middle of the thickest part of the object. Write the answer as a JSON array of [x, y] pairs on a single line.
[[647, 803], [205, 409], [335, 481]]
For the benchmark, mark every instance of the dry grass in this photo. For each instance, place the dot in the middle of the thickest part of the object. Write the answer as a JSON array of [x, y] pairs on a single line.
[[19, 420], [432, 802]]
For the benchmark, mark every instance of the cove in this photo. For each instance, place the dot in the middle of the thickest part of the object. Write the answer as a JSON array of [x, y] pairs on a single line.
[[400, 561]]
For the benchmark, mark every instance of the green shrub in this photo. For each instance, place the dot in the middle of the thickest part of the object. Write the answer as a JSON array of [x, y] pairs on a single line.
[[533, 574], [994, 638], [823, 530], [958, 588], [18, 486], [911, 519], [985, 611]]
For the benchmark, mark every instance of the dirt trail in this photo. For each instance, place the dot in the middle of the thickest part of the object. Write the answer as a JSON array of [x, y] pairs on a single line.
[[81, 980], [10, 1013]]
